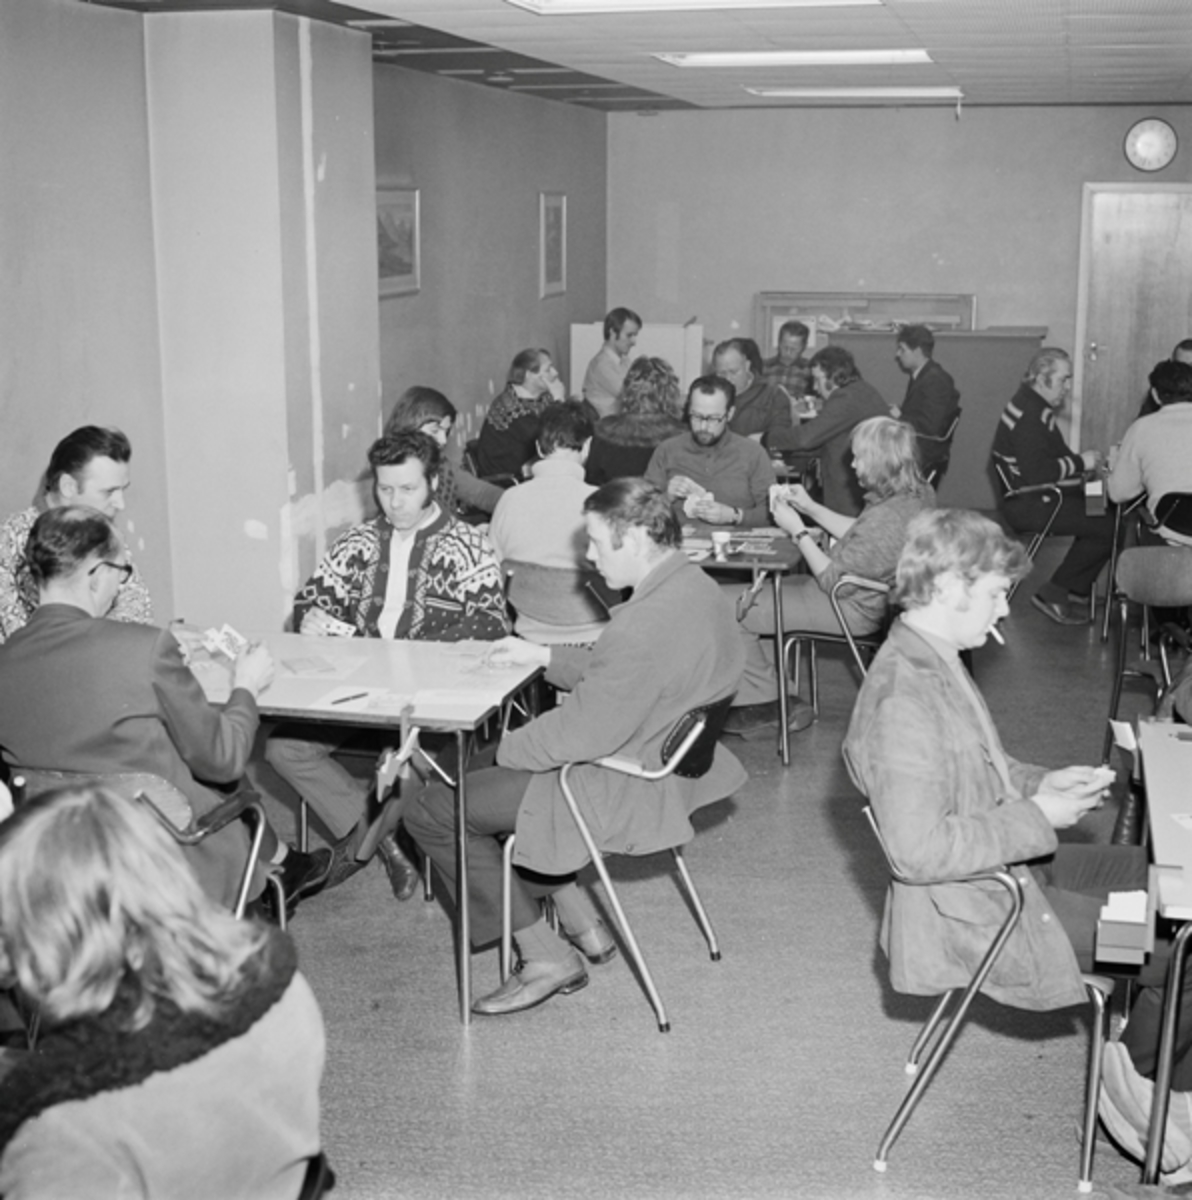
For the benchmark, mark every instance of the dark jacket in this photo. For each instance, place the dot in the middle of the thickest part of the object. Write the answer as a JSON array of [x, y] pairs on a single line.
[[624, 443]]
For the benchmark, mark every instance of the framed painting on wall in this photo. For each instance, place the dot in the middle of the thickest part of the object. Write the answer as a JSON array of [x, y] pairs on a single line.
[[399, 257], [552, 243]]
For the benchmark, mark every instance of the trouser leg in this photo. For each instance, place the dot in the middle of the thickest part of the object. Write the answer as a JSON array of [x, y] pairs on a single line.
[[303, 758], [1076, 883], [1090, 549], [494, 797], [804, 606]]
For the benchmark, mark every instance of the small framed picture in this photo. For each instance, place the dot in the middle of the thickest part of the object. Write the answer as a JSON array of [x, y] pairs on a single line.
[[399, 256], [552, 243]]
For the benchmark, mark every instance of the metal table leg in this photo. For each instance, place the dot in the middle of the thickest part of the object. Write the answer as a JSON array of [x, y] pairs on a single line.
[[464, 927], [784, 733], [1167, 1031]]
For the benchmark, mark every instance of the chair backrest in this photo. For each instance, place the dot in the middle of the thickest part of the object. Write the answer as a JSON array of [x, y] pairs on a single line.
[[1174, 512], [557, 595], [698, 758], [163, 798]]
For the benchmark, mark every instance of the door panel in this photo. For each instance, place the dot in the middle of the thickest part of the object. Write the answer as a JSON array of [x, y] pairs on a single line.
[[1135, 299]]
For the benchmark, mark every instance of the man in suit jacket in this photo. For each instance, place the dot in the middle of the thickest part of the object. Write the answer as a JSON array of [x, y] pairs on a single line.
[[950, 802], [932, 401], [81, 693], [672, 647], [848, 400]]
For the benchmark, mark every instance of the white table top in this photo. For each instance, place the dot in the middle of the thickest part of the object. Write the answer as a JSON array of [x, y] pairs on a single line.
[[448, 685], [1167, 765]]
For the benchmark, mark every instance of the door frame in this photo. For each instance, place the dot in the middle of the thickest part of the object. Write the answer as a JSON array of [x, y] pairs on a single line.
[[1089, 191]]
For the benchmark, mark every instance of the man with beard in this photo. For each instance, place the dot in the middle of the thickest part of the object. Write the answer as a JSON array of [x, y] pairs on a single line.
[[713, 474]]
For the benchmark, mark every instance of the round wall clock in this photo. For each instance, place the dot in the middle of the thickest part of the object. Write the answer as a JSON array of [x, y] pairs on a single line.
[[1151, 144]]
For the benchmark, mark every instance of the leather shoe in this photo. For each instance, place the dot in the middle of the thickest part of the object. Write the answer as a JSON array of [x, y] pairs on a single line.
[[302, 873], [403, 878], [533, 984], [595, 944], [1061, 614], [755, 720]]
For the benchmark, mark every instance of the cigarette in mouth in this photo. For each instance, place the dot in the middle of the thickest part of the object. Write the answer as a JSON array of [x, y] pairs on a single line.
[[996, 634]]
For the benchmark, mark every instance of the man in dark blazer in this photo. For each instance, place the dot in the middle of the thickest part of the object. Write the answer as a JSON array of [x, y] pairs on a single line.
[[84, 694], [932, 401]]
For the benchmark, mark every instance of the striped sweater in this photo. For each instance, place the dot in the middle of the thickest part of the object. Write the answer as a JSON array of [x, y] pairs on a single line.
[[1030, 445]]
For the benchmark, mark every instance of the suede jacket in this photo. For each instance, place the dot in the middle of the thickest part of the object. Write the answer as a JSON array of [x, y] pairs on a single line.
[[916, 748]]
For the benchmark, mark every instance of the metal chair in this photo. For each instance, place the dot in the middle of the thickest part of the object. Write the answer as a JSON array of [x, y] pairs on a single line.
[[1121, 513], [870, 642], [1053, 493], [173, 812], [571, 600], [688, 752], [939, 450], [941, 1029], [1154, 577], [1173, 514]]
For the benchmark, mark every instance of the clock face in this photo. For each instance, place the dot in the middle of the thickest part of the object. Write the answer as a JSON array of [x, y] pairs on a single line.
[[1151, 144]]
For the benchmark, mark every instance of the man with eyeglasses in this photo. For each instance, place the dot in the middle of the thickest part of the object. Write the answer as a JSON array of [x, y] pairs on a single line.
[[89, 466], [82, 694], [712, 474]]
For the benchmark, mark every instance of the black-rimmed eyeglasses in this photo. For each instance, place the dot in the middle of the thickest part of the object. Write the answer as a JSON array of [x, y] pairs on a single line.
[[125, 569]]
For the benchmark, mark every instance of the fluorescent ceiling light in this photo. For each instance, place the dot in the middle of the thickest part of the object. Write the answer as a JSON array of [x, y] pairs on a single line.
[[567, 8], [857, 93], [795, 58]]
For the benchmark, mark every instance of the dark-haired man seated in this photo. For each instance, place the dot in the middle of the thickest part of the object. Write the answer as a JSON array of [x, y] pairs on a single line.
[[88, 466], [413, 572], [711, 473], [671, 647], [80, 693], [950, 802]]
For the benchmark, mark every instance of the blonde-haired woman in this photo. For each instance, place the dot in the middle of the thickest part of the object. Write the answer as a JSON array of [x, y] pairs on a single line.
[[181, 1050], [885, 459]]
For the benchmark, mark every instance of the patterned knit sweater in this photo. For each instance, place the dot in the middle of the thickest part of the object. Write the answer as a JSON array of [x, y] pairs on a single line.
[[453, 591], [18, 592]]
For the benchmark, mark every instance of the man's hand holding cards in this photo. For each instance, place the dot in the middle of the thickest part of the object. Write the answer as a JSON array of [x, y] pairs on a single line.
[[318, 622]]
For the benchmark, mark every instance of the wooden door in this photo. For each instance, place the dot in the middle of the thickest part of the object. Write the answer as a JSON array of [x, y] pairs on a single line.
[[1134, 300]]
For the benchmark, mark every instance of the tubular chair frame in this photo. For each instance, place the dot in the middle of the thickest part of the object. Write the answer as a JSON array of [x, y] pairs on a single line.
[[1037, 538], [935, 472], [870, 642], [702, 722], [138, 787], [935, 1039]]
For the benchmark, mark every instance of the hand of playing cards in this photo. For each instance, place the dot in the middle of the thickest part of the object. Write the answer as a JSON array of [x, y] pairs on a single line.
[[225, 641]]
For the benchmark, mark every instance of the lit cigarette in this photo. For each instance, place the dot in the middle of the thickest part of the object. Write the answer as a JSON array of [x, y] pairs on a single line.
[[996, 634]]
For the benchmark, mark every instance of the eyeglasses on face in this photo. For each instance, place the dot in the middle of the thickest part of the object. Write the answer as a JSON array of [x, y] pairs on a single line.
[[124, 569], [713, 420]]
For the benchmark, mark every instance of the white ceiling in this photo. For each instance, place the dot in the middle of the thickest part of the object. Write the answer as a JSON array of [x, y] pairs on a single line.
[[1136, 52], [996, 51]]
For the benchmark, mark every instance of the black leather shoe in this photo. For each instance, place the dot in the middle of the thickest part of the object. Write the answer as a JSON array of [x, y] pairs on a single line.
[[403, 878], [1061, 614], [595, 944], [534, 984], [303, 873]]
